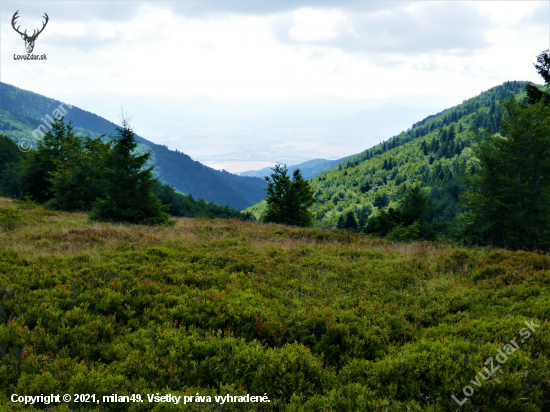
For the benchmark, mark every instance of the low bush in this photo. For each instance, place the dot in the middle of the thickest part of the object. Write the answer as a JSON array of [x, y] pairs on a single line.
[[313, 319]]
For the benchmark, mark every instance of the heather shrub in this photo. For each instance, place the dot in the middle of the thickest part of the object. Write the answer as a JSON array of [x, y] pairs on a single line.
[[316, 320]]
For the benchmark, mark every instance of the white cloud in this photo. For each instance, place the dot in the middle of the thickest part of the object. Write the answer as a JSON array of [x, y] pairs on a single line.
[[319, 25]]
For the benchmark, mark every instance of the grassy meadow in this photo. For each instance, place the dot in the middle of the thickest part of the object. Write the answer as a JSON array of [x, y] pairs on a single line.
[[315, 320]]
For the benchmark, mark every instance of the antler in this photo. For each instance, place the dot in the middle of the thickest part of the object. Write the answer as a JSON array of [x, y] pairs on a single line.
[[15, 16], [34, 36]]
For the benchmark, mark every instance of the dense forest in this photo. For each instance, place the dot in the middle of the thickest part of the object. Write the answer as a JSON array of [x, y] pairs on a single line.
[[20, 114]]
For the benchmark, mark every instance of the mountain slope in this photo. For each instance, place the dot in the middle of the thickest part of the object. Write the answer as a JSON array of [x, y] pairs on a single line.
[[431, 153], [21, 112], [309, 169]]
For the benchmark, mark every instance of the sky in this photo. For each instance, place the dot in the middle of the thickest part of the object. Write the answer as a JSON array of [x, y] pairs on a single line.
[[149, 56]]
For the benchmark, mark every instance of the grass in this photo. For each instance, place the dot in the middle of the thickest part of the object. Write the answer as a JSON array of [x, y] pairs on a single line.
[[316, 320]]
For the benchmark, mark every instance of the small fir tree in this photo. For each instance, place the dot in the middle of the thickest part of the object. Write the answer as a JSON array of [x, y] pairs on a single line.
[[350, 222], [78, 180], [341, 224], [42, 162], [129, 195], [288, 199]]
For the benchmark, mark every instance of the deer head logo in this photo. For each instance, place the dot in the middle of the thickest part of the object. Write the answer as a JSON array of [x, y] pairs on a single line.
[[29, 40]]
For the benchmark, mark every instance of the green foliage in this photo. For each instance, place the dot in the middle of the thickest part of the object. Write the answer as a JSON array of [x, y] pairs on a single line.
[[288, 199], [10, 220], [350, 223], [129, 195], [10, 167], [79, 179], [408, 221], [381, 200], [42, 162], [507, 201], [77, 176], [543, 66], [414, 206], [402, 233], [187, 206], [316, 320], [534, 94]]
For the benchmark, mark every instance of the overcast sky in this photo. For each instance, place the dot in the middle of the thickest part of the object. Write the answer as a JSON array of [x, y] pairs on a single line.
[[230, 48], [274, 49]]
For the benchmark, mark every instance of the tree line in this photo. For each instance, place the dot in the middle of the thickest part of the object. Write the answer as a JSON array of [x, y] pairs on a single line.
[[108, 179]]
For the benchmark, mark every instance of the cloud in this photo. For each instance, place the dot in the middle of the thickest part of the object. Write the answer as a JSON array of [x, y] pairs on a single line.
[[270, 7], [147, 25], [421, 28], [540, 15], [67, 11], [125, 11]]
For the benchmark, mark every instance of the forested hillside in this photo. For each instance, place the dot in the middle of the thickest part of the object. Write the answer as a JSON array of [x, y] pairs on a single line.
[[20, 114], [432, 153]]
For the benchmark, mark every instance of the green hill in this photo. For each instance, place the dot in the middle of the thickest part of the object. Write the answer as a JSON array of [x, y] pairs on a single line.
[[21, 112], [311, 319], [431, 153]]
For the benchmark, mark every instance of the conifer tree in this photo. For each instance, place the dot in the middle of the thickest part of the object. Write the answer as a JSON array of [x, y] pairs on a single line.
[[350, 222], [78, 180], [42, 162], [534, 94], [288, 199], [129, 195], [11, 159], [341, 224], [507, 201]]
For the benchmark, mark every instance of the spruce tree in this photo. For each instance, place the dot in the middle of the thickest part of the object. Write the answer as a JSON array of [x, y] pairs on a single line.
[[129, 196], [288, 199], [350, 222], [42, 162], [534, 94], [11, 160], [341, 224], [78, 180], [507, 201]]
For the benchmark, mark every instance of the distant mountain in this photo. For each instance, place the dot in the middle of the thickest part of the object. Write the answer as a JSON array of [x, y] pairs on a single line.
[[432, 152], [21, 112], [309, 169]]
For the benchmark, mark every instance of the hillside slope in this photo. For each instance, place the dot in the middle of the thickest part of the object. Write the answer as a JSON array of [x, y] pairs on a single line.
[[431, 153], [21, 112]]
